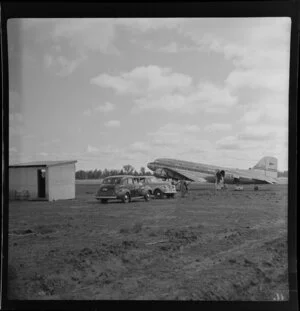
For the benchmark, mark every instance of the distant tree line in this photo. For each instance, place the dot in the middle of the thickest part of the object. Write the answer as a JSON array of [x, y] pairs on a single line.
[[283, 174], [99, 174]]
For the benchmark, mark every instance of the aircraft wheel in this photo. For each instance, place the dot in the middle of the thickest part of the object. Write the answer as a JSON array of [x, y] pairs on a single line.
[[103, 201]]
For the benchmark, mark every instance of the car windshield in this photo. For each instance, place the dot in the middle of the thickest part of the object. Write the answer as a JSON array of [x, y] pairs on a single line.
[[152, 179], [112, 181]]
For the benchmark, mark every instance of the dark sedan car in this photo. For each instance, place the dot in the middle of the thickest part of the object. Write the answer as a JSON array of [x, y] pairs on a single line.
[[122, 187]]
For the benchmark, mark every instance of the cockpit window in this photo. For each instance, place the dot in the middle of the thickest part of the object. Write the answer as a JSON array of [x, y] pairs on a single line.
[[112, 181]]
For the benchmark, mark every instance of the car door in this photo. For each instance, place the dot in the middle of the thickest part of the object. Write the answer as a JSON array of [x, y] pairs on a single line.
[[131, 187], [137, 187], [150, 183]]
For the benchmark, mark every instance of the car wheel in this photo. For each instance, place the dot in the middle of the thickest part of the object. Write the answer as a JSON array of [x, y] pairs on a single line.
[[126, 198], [103, 201], [158, 194], [147, 196]]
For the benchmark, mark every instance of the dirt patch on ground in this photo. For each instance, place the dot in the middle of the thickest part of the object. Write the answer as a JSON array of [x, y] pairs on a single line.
[[210, 245]]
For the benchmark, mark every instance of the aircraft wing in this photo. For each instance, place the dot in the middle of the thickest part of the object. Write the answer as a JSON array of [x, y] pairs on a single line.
[[193, 176]]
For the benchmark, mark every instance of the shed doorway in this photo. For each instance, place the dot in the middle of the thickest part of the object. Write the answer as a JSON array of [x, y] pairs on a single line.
[[41, 183]]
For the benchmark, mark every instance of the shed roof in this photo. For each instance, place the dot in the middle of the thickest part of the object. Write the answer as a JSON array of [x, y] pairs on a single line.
[[42, 163]]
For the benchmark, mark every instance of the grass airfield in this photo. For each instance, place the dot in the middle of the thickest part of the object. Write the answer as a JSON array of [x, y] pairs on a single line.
[[210, 245]]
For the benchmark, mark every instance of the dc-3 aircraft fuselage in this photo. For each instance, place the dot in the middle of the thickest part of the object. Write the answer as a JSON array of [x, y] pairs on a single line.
[[264, 172]]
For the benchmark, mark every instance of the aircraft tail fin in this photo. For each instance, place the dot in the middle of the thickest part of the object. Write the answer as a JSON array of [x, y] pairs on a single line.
[[268, 165]]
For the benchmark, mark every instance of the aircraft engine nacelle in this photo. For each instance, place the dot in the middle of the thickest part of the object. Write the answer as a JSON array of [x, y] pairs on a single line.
[[232, 178]]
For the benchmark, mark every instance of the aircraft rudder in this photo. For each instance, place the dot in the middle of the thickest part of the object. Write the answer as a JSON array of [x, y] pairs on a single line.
[[269, 165]]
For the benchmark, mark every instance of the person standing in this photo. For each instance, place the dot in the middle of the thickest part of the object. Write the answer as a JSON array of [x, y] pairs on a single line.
[[183, 188], [217, 181], [222, 180]]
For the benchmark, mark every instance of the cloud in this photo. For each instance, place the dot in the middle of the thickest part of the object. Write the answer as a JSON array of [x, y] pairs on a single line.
[[16, 130], [61, 65], [251, 116], [256, 136], [228, 143], [259, 52], [48, 60], [192, 128], [259, 78], [107, 107], [12, 149], [43, 154], [149, 24], [74, 39], [140, 146], [144, 80], [87, 112], [174, 129], [112, 123], [261, 138], [165, 141], [269, 108], [51, 142], [170, 48], [86, 34], [259, 49], [273, 131], [205, 97], [91, 149], [17, 117], [14, 100], [218, 127]]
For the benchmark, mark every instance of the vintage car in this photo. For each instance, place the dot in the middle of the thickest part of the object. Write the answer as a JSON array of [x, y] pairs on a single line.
[[159, 187], [122, 187]]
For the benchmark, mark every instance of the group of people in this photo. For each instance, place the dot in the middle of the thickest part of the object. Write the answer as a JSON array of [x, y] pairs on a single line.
[[220, 183], [183, 187]]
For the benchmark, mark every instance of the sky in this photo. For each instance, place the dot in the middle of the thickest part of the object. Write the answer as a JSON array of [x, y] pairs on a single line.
[[114, 91]]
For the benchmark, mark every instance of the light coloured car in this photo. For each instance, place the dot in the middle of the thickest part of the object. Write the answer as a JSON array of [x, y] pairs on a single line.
[[159, 188]]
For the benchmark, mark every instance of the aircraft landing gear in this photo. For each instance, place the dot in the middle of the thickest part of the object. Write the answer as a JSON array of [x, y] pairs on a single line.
[[237, 187], [255, 188]]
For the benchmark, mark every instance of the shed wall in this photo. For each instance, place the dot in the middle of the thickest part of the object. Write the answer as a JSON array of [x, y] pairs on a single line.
[[61, 181], [25, 179]]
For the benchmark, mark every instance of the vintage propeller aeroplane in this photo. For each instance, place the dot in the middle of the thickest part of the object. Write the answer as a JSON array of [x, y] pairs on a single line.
[[264, 172]]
